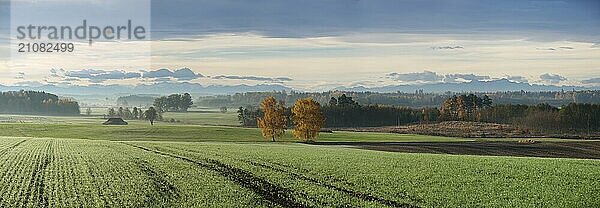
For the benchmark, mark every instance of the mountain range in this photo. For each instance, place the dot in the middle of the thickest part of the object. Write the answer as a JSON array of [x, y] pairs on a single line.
[[198, 89]]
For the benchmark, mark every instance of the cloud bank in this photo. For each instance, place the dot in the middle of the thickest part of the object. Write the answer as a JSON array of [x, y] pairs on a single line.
[[552, 78], [254, 78], [180, 74], [429, 77], [95, 75], [425, 76], [591, 81]]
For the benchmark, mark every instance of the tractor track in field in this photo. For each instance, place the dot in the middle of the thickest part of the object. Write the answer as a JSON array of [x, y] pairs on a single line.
[[269, 191], [36, 183], [357, 194], [322, 183], [12, 147], [167, 192]]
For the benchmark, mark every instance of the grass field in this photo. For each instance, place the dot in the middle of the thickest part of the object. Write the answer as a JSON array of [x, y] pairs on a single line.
[[75, 161], [192, 133], [65, 172], [212, 118]]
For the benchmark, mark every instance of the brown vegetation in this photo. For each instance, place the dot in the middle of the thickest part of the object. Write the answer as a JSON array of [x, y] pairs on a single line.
[[468, 130]]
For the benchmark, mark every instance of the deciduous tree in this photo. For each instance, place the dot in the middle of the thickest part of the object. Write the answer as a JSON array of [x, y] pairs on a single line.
[[151, 115], [273, 122], [308, 119]]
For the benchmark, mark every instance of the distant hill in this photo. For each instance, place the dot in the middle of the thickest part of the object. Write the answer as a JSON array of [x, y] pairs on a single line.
[[501, 85]]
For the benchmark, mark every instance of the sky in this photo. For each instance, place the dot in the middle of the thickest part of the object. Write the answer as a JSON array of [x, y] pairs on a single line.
[[323, 44]]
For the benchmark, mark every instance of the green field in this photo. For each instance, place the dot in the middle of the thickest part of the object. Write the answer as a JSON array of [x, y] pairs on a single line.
[[65, 172], [75, 161], [142, 131], [212, 118]]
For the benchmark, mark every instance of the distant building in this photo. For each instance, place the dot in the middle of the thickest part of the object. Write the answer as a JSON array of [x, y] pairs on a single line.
[[115, 121]]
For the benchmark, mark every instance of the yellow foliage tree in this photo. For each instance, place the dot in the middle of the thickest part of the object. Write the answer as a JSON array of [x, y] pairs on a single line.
[[308, 119], [274, 121]]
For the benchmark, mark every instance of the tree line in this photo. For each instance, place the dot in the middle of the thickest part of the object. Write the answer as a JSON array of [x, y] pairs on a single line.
[[174, 103], [171, 103], [39, 103], [151, 114], [418, 99], [344, 111], [571, 118]]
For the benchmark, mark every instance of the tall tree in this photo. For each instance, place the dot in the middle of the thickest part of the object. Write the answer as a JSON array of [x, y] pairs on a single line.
[[127, 114], [273, 122], [486, 101], [449, 110], [151, 114], [174, 102], [345, 101], [241, 116], [120, 112], [185, 102], [161, 104], [308, 119], [135, 113], [333, 101], [111, 112]]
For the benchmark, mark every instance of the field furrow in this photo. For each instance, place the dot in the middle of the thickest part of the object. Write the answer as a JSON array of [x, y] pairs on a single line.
[[309, 190], [271, 192]]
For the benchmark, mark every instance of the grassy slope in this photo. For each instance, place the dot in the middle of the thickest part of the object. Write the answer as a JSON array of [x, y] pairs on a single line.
[[62, 172]]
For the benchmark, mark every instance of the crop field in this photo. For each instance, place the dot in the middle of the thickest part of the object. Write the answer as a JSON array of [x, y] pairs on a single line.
[[94, 173]]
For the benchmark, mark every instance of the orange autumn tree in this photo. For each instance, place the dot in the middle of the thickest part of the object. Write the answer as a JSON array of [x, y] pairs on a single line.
[[308, 119], [274, 121]]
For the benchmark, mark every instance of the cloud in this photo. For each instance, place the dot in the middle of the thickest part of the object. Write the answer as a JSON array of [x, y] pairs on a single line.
[[464, 78], [552, 78], [158, 73], [556, 49], [20, 75], [180, 74], [519, 79], [425, 76], [546, 49], [95, 75], [447, 47], [429, 76], [254, 78], [591, 81], [29, 84], [186, 74]]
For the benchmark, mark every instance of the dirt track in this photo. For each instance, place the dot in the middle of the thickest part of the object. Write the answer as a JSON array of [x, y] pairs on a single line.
[[585, 150]]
